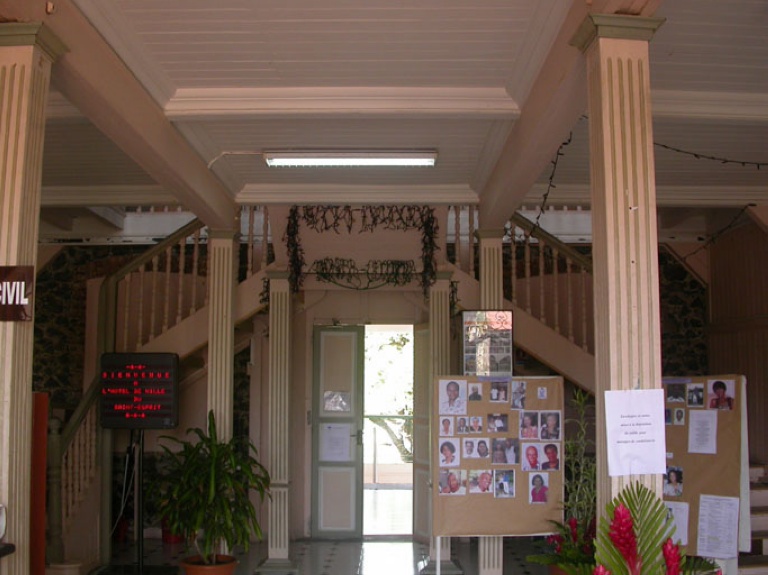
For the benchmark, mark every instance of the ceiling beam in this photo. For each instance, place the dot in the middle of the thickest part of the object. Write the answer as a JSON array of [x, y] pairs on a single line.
[[556, 101], [96, 81]]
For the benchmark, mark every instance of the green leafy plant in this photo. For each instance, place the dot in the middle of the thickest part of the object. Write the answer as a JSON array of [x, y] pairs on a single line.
[[636, 539], [571, 547], [207, 499]]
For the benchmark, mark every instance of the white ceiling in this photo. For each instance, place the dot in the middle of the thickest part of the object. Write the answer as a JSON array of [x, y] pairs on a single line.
[[236, 77]]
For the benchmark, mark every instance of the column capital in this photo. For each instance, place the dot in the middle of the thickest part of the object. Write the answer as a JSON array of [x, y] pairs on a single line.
[[222, 233], [617, 26], [277, 274], [32, 34], [490, 233]]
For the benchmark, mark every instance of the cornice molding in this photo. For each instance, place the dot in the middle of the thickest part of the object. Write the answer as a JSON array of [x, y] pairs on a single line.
[[355, 194], [616, 26], [463, 102], [710, 105], [32, 34]]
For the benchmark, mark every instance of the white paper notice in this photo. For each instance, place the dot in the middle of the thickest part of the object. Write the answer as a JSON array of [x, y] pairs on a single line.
[[335, 441], [678, 513], [635, 431], [718, 527], [702, 431]]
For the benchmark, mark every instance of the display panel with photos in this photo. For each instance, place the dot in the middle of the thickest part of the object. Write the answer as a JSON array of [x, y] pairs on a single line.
[[487, 346], [492, 476]]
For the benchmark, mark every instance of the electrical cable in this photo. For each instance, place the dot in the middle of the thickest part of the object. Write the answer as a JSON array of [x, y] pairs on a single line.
[[127, 481]]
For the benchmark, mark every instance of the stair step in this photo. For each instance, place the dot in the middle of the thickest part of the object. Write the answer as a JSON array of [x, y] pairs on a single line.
[[753, 565], [758, 495], [757, 474], [759, 519], [759, 543]]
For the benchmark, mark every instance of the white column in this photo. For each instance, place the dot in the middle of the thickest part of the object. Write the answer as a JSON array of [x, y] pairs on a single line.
[[491, 549], [440, 364], [221, 328], [625, 243], [279, 383], [26, 55]]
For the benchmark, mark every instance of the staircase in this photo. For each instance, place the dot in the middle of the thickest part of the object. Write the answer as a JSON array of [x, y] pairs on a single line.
[[756, 561]]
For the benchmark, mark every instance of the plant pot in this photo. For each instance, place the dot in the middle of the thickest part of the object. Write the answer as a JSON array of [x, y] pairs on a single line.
[[194, 565]]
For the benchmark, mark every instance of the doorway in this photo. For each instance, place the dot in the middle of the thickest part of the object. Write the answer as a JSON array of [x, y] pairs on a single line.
[[388, 431]]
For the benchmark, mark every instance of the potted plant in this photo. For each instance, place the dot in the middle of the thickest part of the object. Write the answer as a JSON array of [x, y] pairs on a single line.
[[571, 548], [207, 500]]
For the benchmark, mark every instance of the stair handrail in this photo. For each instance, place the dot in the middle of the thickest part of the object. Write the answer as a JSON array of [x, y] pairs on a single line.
[[536, 231], [59, 441]]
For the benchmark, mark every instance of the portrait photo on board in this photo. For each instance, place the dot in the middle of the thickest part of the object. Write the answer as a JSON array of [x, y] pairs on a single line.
[[499, 451], [551, 457], [539, 484], [498, 422], [529, 425], [518, 394], [446, 425], [483, 448], [449, 453], [453, 397], [476, 392], [721, 393], [499, 392], [453, 482], [673, 482], [476, 424], [550, 425], [675, 392], [695, 395], [531, 457], [480, 481], [504, 483], [470, 448], [678, 417], [462, 425]]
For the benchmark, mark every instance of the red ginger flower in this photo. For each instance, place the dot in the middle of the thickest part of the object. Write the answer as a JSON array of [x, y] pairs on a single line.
[[600, 570], [622, 534], [574, 525], [671, 557], [557, 541]]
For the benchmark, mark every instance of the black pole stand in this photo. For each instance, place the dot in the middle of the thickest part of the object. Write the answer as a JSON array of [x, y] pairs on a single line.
[[140, 502]]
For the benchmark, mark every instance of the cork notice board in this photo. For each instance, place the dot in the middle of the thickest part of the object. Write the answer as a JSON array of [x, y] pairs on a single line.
[[497, 461], [703, 435]]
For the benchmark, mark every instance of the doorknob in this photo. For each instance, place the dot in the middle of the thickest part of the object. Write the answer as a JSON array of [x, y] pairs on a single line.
[[359, 435]]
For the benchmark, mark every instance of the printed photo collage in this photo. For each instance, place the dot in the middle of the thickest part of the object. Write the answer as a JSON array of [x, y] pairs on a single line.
[[490, 444], [682, 397]]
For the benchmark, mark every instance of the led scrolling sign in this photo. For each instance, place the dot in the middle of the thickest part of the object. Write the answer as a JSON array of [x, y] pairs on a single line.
[[139, 390]]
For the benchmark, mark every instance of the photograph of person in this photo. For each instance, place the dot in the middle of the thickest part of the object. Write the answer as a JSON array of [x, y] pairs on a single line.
[[539, 487], [721, 394], [695, 395], [480, 480], [499, 391], [498, 423], [675, 392], [470, 452], [550, 425], [476, 392], [476, 424], [504, 482], [446, 426], [453, 396], [482, 448], [529, 425], [498, 451], [461, 425], [453, 482], [552, 453], [668, 416], [512, 449], [673, 482], [531, 457], [679, 416], [518, 394], [449, 453]]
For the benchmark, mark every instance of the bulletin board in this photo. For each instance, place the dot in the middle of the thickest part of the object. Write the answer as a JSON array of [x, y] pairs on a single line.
[[503, 472], [703, 417]]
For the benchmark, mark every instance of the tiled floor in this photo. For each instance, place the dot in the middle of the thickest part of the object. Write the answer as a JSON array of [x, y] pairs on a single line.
[[369, 557]]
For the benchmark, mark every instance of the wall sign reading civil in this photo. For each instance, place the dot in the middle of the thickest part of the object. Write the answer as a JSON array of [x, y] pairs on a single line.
[[139, 390], [16, 283]]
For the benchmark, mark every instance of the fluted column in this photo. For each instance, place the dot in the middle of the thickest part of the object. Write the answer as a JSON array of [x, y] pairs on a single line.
[[26, 54], [625, 243], [440, 364], [491, 549], [279, 384], [221, 328]]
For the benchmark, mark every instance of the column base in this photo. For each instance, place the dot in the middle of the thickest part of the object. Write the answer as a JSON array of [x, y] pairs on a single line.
[[447, 567], [277, 567]]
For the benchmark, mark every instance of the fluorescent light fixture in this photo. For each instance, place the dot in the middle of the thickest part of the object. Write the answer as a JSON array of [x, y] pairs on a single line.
[[349, 158]]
